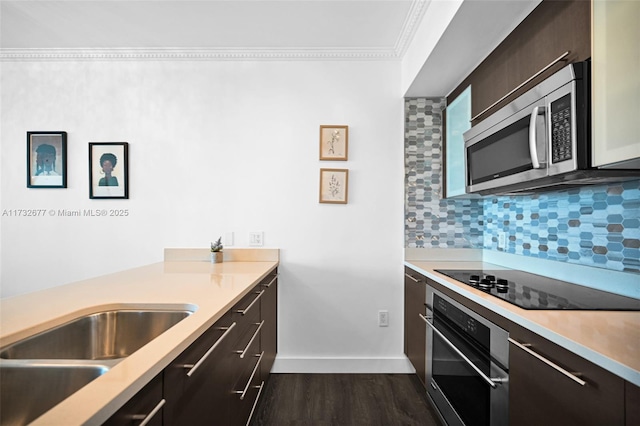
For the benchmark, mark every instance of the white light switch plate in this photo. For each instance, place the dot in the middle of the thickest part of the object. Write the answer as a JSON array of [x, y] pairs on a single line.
[[256, 239]]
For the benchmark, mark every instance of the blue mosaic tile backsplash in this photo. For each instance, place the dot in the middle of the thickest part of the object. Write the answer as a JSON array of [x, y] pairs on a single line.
[[594, 225], [431, 221]]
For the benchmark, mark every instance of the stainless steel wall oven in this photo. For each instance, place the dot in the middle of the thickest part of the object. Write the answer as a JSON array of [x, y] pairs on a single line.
[[467, 364]]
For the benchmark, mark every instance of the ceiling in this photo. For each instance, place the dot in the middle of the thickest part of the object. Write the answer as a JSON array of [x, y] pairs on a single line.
[[254, 29], [360, 27]]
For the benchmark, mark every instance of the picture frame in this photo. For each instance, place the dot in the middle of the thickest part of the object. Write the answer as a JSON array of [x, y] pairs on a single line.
[[108, 170], [46, 159], [334, 186], [334, 142]]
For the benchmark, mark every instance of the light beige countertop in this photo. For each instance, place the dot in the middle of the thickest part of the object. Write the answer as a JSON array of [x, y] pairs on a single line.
[[610, 339], [208, 289]]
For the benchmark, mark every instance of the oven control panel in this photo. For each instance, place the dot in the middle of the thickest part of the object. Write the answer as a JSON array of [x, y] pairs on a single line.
[[456, 318]]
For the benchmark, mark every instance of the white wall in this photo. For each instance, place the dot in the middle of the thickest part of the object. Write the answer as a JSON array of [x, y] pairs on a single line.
[[218, 147]]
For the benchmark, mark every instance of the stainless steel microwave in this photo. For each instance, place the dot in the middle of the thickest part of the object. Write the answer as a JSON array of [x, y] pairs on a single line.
[[542, 139]]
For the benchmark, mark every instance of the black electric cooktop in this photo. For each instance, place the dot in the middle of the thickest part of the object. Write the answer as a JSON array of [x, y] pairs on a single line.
[[531, 291]]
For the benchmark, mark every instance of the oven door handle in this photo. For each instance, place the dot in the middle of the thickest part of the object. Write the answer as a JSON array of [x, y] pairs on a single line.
[[490, 382]]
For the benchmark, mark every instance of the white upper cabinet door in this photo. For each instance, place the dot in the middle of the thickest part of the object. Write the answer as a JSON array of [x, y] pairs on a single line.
[[616, 83]]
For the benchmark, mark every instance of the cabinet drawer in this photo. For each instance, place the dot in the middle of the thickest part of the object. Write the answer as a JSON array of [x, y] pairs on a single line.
[[553, 386], [247, 386], [197, 380], [269, 332], [249, 339], [248, 305], [211, 343], [146, 406], [415, 329]]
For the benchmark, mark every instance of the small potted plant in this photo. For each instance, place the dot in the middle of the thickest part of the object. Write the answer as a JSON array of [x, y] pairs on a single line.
[[216, 251]]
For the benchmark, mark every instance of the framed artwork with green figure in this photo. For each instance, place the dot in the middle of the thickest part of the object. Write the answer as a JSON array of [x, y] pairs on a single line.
[[108, 170]]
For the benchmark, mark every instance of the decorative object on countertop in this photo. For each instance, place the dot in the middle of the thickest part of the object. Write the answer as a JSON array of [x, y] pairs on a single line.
[[334, 143], [216, 251], [108, 170], [46, 159]]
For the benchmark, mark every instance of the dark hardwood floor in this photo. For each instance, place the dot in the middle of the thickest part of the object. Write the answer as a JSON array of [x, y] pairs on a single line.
[[344, 400]]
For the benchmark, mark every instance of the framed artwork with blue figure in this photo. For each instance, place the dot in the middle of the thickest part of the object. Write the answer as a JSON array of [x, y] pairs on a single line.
[[46, 159], [108, 170]]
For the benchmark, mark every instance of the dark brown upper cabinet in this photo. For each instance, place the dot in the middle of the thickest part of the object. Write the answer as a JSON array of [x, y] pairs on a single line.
[[551, 30]]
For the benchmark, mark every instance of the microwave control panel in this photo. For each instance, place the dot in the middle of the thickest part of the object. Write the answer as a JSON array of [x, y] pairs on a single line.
[[561, 147]]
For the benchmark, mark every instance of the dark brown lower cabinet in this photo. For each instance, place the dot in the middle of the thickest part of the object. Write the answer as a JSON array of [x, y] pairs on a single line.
[[632, 404], [196, 383], [247, 385], [415, 329], [269, 311], [548, 384], [553, 386], [218, 379], [146, 406], [247, 356]]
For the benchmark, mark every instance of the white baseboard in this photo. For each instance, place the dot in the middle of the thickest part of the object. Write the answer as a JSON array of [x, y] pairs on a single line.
[[400, 365]]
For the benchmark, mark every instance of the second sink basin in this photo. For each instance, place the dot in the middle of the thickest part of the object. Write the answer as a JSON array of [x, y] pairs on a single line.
[[104, 335], [29, 390]]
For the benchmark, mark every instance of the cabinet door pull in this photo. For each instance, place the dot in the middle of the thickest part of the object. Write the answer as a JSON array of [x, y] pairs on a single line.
[[524, 347], [271, 282], [491, 382], [411, 278], [552, 63], [243, 392], [245, 310], [194, 367], [255, 403], [244, 352], [146, 418]]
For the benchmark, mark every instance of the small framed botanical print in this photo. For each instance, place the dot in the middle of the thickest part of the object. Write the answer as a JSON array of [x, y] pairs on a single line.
[[46, 159], [108, 170], [334, 186], [334, 143]]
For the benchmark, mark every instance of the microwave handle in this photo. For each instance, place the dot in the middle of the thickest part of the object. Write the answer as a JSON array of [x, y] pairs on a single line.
[[533, 137]]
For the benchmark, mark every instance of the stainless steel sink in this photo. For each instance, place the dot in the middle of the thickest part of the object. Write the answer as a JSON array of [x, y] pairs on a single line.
[[28, 390], [105, 335]]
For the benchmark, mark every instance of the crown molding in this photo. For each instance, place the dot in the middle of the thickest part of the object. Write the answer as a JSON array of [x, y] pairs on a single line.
[[192, 54], [411, 24], [414, 16]]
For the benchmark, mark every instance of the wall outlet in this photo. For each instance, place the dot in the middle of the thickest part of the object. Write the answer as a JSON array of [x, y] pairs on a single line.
[[383, 318], [228, 239], [256, 239], [502, 240]]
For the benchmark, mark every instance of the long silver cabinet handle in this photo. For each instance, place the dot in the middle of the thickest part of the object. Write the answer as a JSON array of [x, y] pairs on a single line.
[[552, 63], [255, 403], [244, 352], [271, 282], [245, 310], [146, 418], [490, 382], [553, 365], [194, 367], [415, 280], [243, 392]]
